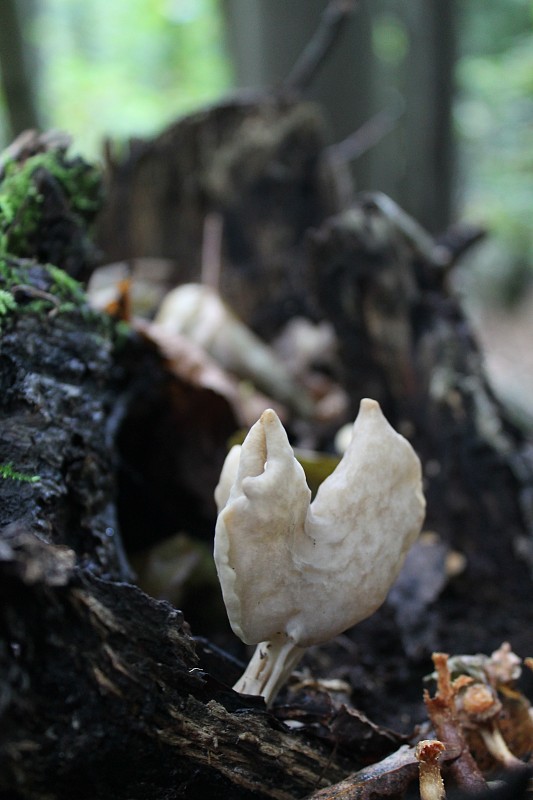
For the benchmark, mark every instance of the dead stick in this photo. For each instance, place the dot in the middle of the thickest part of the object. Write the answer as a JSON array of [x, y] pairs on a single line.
[[368, 134], [211, 250], [442, 713], [332, 22]]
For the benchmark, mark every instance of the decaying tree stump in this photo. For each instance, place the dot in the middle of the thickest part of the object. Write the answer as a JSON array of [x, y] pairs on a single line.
[[405, 341], [259, 164], [104, 693]]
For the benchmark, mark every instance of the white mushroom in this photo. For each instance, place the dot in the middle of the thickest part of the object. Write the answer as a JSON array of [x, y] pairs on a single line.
[[295, 573], [199, 313]]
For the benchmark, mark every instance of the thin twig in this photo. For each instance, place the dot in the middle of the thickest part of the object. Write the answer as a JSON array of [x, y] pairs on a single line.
[[458, 239], [332, 22], [212, 250], [368, 134], [32, 291], [31, 142], [443, 715]]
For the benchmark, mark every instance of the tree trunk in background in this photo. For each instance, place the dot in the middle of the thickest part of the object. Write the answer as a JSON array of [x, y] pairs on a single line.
[[15, 74], [267, 36], [414, 161], [427, 186]]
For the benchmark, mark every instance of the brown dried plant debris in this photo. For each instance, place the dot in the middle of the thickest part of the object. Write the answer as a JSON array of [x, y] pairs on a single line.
[[478, 710]]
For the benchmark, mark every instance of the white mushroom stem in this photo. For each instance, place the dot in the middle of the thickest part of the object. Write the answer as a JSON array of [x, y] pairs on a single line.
[[295, 573], [429, 752], [270, 666], [497, 746], [481, 706]]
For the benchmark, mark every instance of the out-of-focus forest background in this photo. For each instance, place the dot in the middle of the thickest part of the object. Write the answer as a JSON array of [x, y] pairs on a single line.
[[119, 69], [439, 95]]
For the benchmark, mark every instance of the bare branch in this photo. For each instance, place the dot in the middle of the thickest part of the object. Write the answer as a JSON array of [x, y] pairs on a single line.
[[369, 133], [332, 22], [211, 250]]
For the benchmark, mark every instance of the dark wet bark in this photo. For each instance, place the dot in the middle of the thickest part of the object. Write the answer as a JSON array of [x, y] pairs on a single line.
[[57, 428], [102, 697]]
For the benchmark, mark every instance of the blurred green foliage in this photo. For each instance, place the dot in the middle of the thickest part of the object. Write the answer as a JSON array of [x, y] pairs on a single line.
[[128, 67], [125, 67], [494, 122]]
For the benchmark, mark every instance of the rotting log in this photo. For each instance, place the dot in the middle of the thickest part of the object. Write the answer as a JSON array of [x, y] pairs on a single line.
[[96, 434], [56, 424], [102, 697], [404, 339], [100, 691]]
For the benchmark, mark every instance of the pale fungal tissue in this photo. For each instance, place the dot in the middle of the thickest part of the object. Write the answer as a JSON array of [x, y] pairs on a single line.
[[296, 573]]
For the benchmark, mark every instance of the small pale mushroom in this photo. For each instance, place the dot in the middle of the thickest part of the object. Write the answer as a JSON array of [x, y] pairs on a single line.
[[428, 753], [479, 709], [295, 573]]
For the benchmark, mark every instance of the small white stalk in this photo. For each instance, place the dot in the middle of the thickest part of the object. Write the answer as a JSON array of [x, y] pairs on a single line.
[[428, 753]]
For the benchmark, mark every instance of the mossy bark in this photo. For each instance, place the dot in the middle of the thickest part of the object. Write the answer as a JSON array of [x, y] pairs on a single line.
[[48, 201], [56, 409], [101, 692]]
